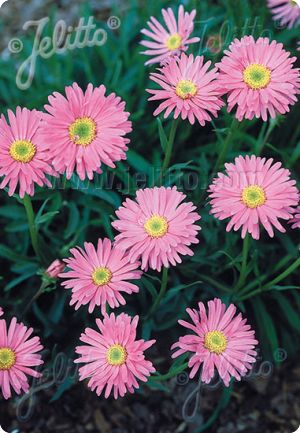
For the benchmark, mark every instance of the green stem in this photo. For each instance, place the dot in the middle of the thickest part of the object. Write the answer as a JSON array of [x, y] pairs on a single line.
[[170, 374], [225, 146], [169, 148], [272, 283], [264, 137], [283, 275], [36, 296], [224, 151], [32, 227], [263, 278], [215, 283], [163, 288], [243, 273]]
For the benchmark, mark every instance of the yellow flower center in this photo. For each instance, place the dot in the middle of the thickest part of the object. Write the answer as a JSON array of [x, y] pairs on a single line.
[[257, 76], [116, 355], [186, 89], [174, 42], [294, 3], [22, 150], [7, 358], [253, 196], [83, 131], [156, 226], [101, 276], [215, 342]]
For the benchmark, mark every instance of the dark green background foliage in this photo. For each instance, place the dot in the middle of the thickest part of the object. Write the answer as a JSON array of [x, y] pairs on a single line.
[[73, 212]]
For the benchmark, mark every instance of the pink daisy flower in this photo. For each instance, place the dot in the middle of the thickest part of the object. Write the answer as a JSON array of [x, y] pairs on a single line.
[[171, 41], [157, 227], [295, 221], [258, 77], [86, 129], [1, 311], [18, 353], [287, 12], [253, 191], [99, 276], [188, 88], [221, 341], [113, 357], [24, 156]]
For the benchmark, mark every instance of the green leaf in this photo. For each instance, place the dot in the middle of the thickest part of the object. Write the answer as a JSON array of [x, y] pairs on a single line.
[[13, 212], [174, 290], [147, 329], [162, 136], [288, 311], [266, 327], [8, 253], [16, 227], [57, 307], [110, 197], [139, 163], [46, 217], [41, 209], [16, 281], [73, 220], [282, 288], [150, 287]]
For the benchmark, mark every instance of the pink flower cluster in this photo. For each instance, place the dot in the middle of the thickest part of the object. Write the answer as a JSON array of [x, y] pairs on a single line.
[[155, 230], [113, 358], [257, 76], [80, 132]]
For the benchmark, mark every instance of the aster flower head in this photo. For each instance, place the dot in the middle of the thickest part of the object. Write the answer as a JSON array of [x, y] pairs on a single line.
[[221, 342], [295, 221], [188, 88], [18, 356], [86, 129], [24, 156], [114, 359], [98, 276], [1, 311], [253, 191], [259, 77], [157, 227], [169, 41], [287, 12]]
